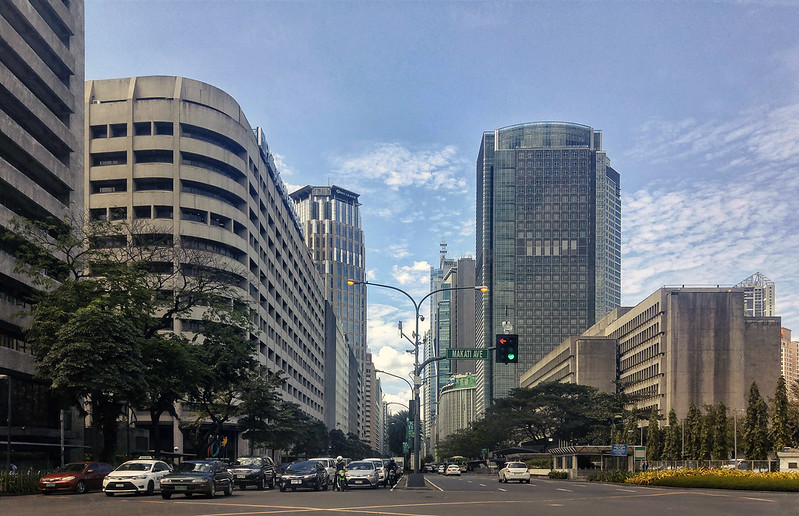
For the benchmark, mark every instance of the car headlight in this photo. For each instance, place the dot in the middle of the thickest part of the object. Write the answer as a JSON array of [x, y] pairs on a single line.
[[66, 479], [199, 480], [308, 477], [166, 481]]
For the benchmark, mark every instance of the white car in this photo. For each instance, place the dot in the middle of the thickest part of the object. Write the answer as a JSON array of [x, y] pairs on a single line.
[[362, 473], [452, 469], [136, 476], [330, 466], [515, 471], [381, 469]]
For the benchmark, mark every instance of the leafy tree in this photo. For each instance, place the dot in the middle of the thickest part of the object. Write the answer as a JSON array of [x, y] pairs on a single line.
[[693, 433], [780, 430], [338, 443], [756, 441], [397, 430], [673, 446], [721, 443], [654, 436], [260, 403], [708, 433], [312, 439]]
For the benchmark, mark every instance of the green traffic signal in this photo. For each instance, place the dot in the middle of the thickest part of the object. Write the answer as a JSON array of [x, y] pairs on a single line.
[[507, 346]]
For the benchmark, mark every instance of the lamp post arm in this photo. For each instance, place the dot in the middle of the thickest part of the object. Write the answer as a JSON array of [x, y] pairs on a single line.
[[415, 304], [428, 361], [395, 376]]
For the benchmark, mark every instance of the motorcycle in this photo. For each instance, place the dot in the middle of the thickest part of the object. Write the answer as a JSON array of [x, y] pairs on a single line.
[[340, 483], [392, 477]]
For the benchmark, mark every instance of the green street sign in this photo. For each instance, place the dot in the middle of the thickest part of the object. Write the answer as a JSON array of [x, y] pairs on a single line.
[[405, 448], [467, 354], [409, 430]]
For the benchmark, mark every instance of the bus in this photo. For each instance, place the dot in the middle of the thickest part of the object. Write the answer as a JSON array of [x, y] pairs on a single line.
[[460, 461]]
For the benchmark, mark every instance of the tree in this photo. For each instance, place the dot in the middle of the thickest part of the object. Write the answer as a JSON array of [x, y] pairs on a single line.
[[756, 441], [693, 433], [312, 439], [338, 443], [721, 445], [708, 433], [260, 403], [673, 445], [654, 436], [397, 430], [780, 430]]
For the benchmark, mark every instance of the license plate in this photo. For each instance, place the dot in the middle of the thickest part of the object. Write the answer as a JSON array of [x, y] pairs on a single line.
[[180, 488], [360, 481], [119, 485], [296, 481], [49, 484], [240, 475]]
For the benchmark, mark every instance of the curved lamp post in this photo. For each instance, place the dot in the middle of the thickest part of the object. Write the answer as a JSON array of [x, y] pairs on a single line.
[[417, 381]]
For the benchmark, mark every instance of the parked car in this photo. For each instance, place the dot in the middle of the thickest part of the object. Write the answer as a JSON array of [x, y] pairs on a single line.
[[452, 469], [330, 465], [253, 471], [363, 473], [198, 476], [136, 477], [381, 469], [75, 476], [514, 471], [308, 474]]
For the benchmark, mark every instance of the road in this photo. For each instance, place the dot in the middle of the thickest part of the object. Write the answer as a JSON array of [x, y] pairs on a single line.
[[470, 494]]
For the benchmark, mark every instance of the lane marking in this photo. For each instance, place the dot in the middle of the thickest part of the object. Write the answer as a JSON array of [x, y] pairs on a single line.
[[567, 490], [432, 484]]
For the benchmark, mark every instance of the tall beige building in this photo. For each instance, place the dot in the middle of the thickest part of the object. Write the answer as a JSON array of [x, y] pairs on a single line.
[[41, 177], [789, 355], [181, 154]]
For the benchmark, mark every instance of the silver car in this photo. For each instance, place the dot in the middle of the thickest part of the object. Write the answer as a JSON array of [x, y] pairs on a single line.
[[362, 473], [381, 470]]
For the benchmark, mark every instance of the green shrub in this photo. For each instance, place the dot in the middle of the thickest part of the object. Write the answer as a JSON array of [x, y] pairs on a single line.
[[615, 476], [559, 475], [21, 483], [719, 479], [539, 463]]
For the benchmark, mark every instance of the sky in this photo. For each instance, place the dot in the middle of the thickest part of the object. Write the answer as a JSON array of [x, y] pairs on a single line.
[[697, 101]]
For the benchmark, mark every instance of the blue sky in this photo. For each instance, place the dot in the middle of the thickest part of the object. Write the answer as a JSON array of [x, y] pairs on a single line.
[[698, 102]]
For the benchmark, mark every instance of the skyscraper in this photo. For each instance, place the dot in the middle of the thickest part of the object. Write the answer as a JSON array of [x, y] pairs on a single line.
[[548, 242], [41, 178], [331, 220], [758, 295]]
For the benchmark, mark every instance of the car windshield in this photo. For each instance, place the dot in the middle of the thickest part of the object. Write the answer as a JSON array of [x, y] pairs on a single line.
[[135, 466], [301, 466], [193, 467], [360, 466], [72, 468], [517, 465], [250, 461]]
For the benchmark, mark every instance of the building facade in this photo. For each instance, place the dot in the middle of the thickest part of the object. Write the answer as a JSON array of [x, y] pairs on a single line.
[[456, 406], [548, 242], [331, 220], [789, 357], [373, 406], [180, 155], [679, 346], [41, 178]]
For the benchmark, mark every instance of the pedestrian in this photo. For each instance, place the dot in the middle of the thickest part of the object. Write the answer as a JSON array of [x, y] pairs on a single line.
[[13, 469]]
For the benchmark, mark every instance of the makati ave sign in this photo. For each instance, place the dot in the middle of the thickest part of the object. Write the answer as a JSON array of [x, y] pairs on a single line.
[[467, 354]]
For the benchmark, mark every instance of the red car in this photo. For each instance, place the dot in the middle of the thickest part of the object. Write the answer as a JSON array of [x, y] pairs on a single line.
[[75, 476]]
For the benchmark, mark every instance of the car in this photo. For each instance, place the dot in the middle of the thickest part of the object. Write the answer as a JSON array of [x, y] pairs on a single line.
[[75, 476], [441, 468], [306, 474], [363, 473], [430, 467], [452, 469], [381, 469], [253, 471], [279, 470], [330, 465], [198, 477], [514, 471], [136, 477]]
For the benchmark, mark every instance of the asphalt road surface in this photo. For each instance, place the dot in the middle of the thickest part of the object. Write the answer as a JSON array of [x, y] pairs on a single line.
[[469, 494]]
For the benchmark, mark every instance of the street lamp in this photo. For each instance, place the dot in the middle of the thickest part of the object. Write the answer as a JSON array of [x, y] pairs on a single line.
[[8, 423], [417, 381]]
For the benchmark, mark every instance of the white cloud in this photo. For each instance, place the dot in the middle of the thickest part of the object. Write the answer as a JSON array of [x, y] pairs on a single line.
[[398, 167]]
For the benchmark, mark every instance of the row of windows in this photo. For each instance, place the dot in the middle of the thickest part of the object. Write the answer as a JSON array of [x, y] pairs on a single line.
[[139, 129], [640, 357]]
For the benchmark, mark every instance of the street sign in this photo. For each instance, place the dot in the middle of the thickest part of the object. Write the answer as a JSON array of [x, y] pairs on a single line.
[[639, 452], [467, 354], [618, 450], [405, 448], [409, 433]]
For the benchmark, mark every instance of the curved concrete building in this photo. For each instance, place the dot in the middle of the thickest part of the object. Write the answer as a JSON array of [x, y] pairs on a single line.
[[180, 153]]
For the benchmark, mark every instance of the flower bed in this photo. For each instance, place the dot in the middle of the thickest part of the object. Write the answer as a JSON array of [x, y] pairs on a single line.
[[718, 479]]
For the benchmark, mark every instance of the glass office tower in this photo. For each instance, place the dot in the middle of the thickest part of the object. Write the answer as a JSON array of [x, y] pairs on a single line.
[[548, 242]]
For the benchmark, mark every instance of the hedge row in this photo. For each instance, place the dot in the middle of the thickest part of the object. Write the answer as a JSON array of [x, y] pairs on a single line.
[[20, 483], [718, 479]]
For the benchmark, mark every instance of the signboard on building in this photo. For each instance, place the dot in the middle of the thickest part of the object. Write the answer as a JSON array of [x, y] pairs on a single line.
[[467, 354], [618, 450]]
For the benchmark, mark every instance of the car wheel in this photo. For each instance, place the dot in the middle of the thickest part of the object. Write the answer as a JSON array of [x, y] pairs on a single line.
[[282, 489], [324, 486], [229, 489], [316, 486], [150, 487], [272, 482], [80, 487], [527, 481], [212, 492], [261, 483], [499, 480], [166, 496]]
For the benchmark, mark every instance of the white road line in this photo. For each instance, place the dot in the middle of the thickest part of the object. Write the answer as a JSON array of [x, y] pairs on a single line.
[[502, 489], [482, 485], [432, 484], [567, 490]]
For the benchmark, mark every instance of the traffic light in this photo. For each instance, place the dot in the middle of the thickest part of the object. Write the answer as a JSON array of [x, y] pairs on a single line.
[[507, 348]]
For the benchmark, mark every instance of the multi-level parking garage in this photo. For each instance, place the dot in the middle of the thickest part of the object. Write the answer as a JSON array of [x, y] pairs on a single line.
[[180, 154]]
